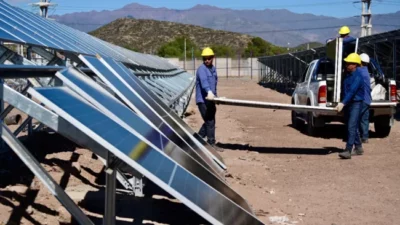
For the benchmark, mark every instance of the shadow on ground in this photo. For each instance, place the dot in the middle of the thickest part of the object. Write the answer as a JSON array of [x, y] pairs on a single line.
[[14, 172], [331, 131], [138, 211], [279, 150], [281, 88]]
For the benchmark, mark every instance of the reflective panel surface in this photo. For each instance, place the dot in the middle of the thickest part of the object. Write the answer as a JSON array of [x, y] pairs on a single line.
[[140, 103], [144, 157], [162, 109]]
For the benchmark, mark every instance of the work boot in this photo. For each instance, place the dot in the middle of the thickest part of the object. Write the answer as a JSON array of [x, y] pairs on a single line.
[[218, 149], [346, 154], [358, 150], [364, 141]]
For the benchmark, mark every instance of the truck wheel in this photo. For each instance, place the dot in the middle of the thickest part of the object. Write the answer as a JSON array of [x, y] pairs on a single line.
[[382, 126], [296, 122], [311, 130]]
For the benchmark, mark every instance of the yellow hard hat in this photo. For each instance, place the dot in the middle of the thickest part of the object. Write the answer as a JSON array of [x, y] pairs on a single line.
[[353, 58], [207, 52], [344, 30]]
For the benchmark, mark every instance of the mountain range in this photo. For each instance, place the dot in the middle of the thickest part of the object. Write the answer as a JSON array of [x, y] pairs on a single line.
[[281, 27]]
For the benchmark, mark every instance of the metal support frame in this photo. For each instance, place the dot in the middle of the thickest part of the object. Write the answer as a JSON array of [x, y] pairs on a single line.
[[111, 185], [43, 176], [62, 127]]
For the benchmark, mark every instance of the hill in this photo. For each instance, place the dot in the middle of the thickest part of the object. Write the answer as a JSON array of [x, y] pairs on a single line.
[[149, 35], [305, 46], [278, 26]]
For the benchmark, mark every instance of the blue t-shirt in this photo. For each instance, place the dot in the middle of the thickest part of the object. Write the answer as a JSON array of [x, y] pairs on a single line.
[[206, 80]]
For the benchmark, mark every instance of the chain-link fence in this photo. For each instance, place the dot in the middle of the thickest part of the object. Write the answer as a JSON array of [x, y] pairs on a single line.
[[226, 66]]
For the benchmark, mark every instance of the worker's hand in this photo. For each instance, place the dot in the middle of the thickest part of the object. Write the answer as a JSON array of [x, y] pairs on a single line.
[[339, 107], [210, 95]]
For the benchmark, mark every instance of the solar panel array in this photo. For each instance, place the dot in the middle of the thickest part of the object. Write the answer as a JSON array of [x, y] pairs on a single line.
[[125, 103], [20, 26]]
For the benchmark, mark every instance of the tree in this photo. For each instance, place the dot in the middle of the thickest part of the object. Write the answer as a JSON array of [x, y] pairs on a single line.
[[176, 48], [223, 51], [259, 47]]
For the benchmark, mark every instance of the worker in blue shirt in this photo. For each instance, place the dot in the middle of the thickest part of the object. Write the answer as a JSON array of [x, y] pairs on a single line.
[[206, 90], [344, 33], [364, 120], [353, 92]]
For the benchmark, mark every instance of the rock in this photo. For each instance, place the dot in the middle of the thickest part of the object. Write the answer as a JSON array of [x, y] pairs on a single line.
[[279, 219], [242, 158], [302, 214], [77, 167], [29, 210], [227, 174]]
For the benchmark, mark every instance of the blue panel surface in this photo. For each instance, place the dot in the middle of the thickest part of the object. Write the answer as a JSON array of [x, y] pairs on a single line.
[[144, 157]]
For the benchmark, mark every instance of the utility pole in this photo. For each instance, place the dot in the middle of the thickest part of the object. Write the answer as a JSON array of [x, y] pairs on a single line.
[[366, 16], [184, 60], [44, 6]]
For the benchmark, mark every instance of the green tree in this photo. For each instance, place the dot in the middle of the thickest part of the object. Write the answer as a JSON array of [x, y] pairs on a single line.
[[259, 47], [223, 51], [176, 48]]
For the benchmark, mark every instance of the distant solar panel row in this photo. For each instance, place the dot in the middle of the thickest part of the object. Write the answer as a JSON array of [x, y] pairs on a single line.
[[21, 26]]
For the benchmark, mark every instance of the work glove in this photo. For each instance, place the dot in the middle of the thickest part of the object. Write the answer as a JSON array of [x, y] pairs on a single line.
[[339, 107], [210, 95]]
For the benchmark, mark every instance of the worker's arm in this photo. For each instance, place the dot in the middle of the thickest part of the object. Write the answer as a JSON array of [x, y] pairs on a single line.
[[353, 89], [202, 75]]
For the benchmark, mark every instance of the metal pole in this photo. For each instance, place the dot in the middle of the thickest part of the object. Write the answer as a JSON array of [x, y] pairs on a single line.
[[184, 60], [194, 63], [2, 144], [111, 184], [394, 60], [227, 65], [239, 65], [251, 65]]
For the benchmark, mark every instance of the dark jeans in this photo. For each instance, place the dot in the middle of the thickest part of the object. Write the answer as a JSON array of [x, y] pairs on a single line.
[[353, 112], [207, 111], [364, 121]]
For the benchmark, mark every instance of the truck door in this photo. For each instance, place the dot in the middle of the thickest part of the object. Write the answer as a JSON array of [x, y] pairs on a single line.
[[303, 87]]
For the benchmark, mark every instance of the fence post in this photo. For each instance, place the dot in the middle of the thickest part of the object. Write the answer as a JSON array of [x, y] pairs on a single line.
[[251, 64], [227, 64], [239, 65]]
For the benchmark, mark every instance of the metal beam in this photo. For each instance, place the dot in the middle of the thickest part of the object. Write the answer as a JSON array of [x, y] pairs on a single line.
[[43, 176]]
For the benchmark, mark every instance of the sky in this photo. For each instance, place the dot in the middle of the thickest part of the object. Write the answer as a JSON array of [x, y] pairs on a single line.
[[335, 8]]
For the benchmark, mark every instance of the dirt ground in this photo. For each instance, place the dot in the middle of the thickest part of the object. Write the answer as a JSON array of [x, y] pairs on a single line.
[[287, 176]]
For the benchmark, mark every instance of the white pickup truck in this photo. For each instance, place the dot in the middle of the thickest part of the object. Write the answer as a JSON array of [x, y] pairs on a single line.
[[321, 83]]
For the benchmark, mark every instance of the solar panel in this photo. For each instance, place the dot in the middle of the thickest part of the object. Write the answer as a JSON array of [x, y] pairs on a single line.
[[109, 105], [21, 26], [140, 103], [144, 157], [121, 114], [155, 102]]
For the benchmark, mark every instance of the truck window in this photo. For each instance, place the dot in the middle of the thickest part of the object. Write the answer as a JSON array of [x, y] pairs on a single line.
[[303, 75], [325, 69], [309, 71]]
